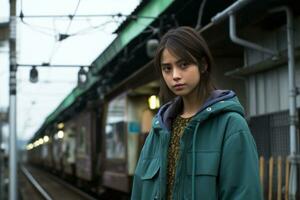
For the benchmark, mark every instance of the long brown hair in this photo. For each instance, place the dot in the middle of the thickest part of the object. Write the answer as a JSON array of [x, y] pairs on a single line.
[[189, 45]]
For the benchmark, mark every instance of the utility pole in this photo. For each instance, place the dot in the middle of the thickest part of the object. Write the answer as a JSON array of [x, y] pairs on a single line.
[[1, 162], [3, 120], [13, 190]]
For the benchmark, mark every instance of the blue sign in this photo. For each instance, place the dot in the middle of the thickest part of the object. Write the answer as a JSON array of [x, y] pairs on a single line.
[[134, 127]]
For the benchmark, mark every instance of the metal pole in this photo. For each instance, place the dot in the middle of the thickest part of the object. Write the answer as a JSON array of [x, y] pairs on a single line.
[[13, 190], [1, 162], [236, 6], [292, 100], [237, 40]]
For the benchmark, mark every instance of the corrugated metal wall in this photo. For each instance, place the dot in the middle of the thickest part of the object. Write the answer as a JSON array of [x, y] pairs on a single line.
[[268, 90]]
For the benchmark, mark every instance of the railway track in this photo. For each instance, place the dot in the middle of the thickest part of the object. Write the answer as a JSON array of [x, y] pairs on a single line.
[[49, 187]]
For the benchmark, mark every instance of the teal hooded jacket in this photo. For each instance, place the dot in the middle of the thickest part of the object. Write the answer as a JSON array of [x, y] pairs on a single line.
[[217, 154]]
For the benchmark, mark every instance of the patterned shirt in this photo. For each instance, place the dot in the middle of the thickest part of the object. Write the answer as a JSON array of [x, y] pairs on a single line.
[[178, 127]]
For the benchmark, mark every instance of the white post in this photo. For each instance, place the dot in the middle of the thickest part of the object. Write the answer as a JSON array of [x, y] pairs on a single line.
[[13, 189], [1, 162]]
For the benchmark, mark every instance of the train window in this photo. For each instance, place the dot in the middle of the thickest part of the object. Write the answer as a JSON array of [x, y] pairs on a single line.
[[69, 145], [44, 151], [82, 149], [115, 129]]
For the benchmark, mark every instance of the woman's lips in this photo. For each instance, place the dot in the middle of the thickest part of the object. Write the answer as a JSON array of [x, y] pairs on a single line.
[[179, 86]]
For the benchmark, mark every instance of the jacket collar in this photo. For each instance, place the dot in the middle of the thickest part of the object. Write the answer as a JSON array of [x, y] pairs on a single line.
[[216, 103]]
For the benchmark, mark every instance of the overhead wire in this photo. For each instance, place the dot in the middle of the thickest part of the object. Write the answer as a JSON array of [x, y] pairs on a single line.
[[92, 28], [116, 18], [64, 17], [72, 16], [54, 27], [34, 27], [56, 47]]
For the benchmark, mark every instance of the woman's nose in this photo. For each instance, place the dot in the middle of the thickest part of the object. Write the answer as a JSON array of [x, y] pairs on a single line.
[[176, 74]]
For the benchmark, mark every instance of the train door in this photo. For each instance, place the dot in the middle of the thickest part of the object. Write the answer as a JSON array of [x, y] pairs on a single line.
[[114, 175], [128, 121], [84, 148]]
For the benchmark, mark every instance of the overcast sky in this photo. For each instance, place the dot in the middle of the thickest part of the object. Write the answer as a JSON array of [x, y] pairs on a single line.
[[36, 43]]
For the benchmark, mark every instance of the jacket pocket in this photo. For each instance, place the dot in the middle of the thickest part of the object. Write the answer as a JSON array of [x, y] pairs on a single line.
[[148, 171], [206, 173]]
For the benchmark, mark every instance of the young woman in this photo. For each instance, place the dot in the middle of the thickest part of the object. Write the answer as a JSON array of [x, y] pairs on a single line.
[[200, 146]]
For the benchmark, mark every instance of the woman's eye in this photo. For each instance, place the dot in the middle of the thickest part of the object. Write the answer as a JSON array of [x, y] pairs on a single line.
[[183, 65], [166, 69]]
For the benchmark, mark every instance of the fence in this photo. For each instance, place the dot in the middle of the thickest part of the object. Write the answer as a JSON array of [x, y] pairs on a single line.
[[274, 177], [271, 134]]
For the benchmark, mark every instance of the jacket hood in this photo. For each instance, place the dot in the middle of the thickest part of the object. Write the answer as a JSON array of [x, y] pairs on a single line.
[[220, 101]]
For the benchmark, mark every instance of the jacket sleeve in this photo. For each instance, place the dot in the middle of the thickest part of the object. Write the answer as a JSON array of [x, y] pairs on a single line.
[[137, 183], [136, 188], [239, 174], [136, 192]]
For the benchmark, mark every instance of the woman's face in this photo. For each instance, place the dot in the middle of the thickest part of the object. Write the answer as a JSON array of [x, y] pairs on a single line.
[[181, 77]]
